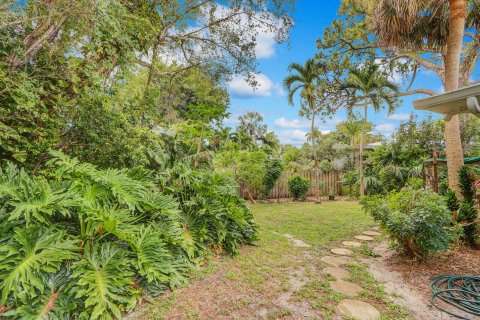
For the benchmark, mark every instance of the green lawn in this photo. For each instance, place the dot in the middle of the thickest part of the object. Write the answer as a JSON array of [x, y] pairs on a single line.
[[276, 279], [316, 224]]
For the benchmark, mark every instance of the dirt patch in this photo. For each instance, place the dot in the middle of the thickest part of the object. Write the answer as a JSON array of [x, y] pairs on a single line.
[[463, 260], [410, 280], [298, 309], [296, 242]]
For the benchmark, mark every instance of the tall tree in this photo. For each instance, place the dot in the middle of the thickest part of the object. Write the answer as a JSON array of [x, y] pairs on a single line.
[[352, 130], [252, 123], [305, 78], [444, 20], [409, 36], [367, 87], [54, 54]]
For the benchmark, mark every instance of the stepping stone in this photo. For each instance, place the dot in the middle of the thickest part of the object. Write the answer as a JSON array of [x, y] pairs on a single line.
[[335, 261], [337, 272], [364, 238], [371, 233], [358, 310], [354, 244], [345, 287], [341, 251]]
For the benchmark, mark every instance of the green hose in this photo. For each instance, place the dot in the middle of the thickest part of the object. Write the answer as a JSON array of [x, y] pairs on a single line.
[[460, 292]]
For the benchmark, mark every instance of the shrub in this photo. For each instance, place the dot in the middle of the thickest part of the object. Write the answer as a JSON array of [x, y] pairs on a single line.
[[415, 183], [451, 200], [274, 170], [325, 166], [248, 168], [467, 214], [418, 220], [89, 243], [298, 187]]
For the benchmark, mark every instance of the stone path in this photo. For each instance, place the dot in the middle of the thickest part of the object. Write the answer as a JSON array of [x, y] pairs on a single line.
[[353, 244], [342, 251], [345, 287], [358, 310], [336, 261], [337, 272], [354, 309], [371, 233], [364, 238]]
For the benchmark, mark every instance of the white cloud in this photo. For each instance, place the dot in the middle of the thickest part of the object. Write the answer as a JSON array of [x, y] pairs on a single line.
[[325, 126], [385, 128], [240, 88], [295, 137], [278, 90], [232, 119], [398, 116], [265, 45], [332, 122], [291, 124], [441, 89]]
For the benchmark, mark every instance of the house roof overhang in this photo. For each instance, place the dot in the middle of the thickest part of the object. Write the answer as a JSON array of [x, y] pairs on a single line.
[[464, 100]]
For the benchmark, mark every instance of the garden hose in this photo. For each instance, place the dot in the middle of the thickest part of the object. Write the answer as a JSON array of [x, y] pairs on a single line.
[[460, 292]]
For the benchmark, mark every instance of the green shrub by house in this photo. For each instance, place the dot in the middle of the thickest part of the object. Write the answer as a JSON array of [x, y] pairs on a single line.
[[298, 187], [417, 220]]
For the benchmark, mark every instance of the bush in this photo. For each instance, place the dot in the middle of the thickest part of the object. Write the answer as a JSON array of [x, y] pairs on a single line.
[[452, 200], [90, 243], [274, 170], [467, 214], [418, 220], [415, 183], [298, 187]]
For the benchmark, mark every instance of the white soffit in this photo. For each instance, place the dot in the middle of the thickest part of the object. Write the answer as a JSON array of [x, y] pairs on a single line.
[[453, 102]]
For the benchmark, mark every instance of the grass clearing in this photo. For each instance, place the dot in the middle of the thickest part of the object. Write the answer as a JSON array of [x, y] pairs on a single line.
[[277, 279]]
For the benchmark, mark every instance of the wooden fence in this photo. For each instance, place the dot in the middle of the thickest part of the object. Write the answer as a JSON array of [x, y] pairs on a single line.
[[328, 181]]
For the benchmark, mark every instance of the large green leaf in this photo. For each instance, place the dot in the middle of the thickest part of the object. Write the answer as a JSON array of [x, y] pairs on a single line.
[[104, 281], [32, 253]]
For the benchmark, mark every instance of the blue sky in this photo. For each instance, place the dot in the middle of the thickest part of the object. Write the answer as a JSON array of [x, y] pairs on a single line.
[[310, 17]]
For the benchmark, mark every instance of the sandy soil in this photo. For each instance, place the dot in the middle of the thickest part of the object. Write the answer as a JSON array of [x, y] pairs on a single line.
[[410, 280]]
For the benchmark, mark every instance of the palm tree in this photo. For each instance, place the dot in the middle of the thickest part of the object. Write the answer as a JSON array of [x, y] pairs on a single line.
[[270, 143], [314, 134], [352, 130], [439, 25], [244, 139], [375, 90], [305, 79]]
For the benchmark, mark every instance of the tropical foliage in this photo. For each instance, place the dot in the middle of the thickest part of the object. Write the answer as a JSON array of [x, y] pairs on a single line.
[[92, 243], [416, 220], [467, 214], [298, 187]]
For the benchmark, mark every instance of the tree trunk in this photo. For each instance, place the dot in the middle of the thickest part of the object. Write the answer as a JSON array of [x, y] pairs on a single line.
[[362, 187], [453, 143], [250, 197], [315, 160]]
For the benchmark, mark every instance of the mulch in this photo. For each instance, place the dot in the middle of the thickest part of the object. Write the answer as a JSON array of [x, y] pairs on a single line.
[[463, 260]]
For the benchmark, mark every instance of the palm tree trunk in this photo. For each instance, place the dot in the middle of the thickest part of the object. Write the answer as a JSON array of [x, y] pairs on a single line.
[[315, 160], [453, 143], [362, 187]]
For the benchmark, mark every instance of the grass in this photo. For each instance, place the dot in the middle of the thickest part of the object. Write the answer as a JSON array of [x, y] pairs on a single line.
[[276, 279]]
